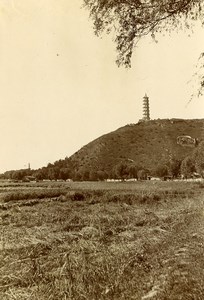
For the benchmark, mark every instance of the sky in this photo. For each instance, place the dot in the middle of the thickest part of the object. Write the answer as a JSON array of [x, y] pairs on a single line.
[[60, 87]]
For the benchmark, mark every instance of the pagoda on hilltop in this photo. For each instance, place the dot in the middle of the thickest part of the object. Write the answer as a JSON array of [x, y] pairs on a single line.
[[146, 113]]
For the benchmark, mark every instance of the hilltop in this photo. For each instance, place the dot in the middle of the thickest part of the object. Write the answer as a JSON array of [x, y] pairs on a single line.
[[148, 144]]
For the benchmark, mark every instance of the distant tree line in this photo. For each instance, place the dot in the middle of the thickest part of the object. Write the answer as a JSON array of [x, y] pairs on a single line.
[[17, 174], [125, 169]]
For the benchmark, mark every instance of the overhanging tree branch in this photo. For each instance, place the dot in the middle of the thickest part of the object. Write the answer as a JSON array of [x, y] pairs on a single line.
[[130, 20]]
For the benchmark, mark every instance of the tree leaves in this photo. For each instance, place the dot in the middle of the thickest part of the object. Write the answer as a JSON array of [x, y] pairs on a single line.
[[198, 78], [130, 20]]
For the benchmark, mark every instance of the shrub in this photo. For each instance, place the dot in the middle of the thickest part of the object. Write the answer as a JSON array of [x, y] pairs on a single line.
[[76, 196], [121, 198]]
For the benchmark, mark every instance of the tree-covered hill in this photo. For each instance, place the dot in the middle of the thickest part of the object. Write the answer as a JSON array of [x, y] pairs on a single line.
[[156, 147], [148, 144]]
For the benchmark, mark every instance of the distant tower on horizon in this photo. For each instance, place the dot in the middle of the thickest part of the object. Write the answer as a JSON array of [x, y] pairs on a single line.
[[146, 113]]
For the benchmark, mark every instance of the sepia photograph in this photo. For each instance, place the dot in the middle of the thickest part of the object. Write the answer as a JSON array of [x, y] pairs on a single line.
[[102, 150]]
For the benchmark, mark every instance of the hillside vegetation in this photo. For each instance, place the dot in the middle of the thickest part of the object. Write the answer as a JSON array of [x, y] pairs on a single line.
[[149, 144], [153, 148]]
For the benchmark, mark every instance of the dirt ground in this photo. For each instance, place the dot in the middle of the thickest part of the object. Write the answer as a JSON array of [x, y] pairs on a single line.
[[133, 241]]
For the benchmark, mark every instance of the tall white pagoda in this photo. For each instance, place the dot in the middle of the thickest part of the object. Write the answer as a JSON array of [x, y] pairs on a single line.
[[146, 113]]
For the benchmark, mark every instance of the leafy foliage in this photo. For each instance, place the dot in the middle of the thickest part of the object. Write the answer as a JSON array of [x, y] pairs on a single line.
[[125, 170], [187, 167], [198, 157], [198, 78], [161, 171], [174, 167], [194, 162], [130, 20], [142, 174]]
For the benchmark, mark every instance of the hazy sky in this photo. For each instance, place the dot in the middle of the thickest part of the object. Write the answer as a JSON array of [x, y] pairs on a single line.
[[60, 87]]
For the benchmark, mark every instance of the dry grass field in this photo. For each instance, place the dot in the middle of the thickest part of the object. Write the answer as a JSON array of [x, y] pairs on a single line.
[[142, 240]]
